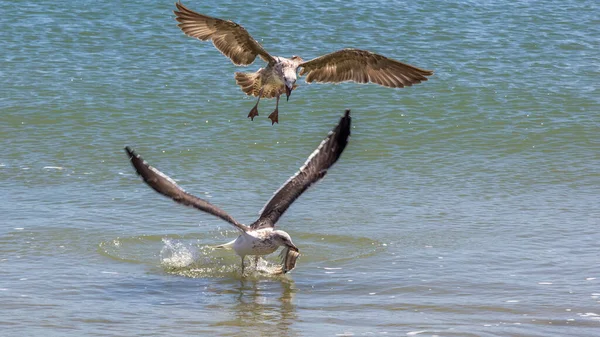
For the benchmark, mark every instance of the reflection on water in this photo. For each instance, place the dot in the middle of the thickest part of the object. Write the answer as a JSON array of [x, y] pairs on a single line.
[[264, 305]]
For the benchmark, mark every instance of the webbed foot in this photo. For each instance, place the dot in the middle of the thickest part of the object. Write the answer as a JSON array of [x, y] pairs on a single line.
[[274, 116], [253, 113]]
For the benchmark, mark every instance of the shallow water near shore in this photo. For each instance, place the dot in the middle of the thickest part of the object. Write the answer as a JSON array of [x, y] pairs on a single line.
[[466, 205]]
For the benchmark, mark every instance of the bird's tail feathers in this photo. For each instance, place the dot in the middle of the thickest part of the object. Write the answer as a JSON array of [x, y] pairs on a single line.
[[228, 245]]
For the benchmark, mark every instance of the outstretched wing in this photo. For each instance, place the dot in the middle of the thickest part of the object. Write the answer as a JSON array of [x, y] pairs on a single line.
[[231, 39], [313, 170], [363, 67], [164, 185]]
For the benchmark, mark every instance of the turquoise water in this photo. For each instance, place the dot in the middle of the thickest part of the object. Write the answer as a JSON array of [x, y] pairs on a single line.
[[463, 206]]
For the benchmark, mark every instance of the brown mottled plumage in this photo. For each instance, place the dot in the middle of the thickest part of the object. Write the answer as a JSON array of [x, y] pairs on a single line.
[[280, 74]]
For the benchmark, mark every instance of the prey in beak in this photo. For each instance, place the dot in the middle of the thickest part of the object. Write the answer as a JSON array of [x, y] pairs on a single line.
[[288, 255]]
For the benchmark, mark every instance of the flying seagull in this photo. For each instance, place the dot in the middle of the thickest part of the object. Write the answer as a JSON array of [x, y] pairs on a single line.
[[280, 75], [261, 237]]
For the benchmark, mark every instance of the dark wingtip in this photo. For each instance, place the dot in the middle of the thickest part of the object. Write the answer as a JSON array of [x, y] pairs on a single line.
[[136, 160], [129, 151], [346, 121], [342, 132]]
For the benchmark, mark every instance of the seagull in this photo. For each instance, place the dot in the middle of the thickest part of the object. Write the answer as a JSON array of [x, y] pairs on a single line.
[[280, 74], [261, 237]]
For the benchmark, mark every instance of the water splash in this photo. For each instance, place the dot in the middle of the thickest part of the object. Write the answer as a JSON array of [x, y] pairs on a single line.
[[196, 256], [177, 254]]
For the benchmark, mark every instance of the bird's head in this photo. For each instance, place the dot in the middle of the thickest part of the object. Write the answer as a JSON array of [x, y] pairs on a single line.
[[283, 239], [289, 81], [289, 74]]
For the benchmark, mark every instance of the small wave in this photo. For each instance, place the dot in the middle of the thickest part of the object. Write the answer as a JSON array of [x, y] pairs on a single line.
[[53, 167], [590, 315]]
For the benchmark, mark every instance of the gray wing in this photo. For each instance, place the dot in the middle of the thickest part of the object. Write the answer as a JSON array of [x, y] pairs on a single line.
[[363, 67], [313, 170], [231, 39], [164, 185]]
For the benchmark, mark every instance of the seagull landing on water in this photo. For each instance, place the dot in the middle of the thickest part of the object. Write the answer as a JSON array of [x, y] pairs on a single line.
[[280, 75], [261, 237]]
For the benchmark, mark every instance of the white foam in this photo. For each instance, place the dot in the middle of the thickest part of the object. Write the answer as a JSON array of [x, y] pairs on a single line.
[[53, 167], [590, 315], [176, 254]]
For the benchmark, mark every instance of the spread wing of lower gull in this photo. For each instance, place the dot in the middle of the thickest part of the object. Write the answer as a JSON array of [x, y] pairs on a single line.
[[313, 170], [261, 238], [166, 186]]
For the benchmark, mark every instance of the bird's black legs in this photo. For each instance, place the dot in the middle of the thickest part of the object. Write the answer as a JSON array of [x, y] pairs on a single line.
[[274, 116], [254, 112]]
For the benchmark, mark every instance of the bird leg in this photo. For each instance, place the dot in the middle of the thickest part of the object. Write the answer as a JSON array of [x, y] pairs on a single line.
[[275, 114], [242, 265], [254, 112]]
